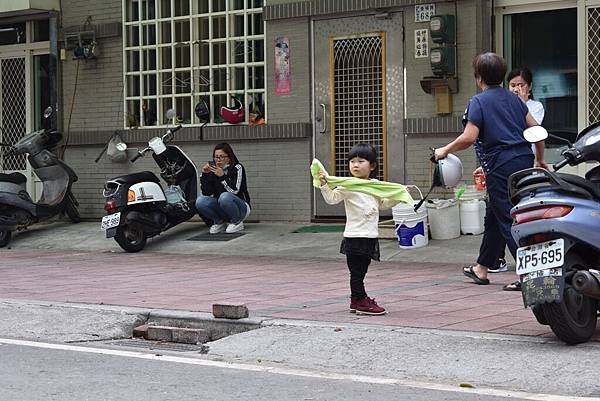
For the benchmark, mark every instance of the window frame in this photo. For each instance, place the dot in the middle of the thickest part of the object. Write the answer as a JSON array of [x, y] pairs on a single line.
[[185, 66]]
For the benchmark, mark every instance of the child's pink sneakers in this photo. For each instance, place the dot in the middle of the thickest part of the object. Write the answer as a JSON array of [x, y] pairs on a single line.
[[365, 306]]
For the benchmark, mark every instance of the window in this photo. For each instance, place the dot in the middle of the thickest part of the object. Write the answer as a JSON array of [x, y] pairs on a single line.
[[177, 52]]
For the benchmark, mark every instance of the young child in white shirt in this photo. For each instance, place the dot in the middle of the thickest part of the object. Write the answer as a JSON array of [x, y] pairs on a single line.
[[360, 243]]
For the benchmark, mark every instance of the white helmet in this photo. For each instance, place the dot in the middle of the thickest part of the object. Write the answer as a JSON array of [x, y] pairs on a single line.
[[448, 172]]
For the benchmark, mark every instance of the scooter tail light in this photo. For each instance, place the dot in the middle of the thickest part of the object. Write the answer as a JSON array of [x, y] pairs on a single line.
[[111, 205], [130, 196], [548, 212]]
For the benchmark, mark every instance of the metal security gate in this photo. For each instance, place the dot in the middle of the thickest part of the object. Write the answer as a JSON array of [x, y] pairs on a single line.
[[358, 95], [593, 64], [13, 109], [358, 98]]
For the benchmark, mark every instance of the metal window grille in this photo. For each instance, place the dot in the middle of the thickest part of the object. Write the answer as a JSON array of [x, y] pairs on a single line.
[[358, 98], [177, 52], [13, 118], [593, 56]]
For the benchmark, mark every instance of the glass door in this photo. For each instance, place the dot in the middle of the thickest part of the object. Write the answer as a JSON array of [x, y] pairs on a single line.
[[546, 43]]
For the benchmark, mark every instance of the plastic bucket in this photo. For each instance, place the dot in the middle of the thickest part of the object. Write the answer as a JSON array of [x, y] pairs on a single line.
[[471, 193], [410, 226], [157, 145], [472, 216], [444, 218]]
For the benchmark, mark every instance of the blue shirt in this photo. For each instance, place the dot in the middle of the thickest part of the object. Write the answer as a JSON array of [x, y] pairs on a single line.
[[501, 118]]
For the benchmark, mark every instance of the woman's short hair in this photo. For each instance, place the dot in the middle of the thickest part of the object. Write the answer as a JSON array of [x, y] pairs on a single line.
[[365, 151], [490, 67], [225, 147]]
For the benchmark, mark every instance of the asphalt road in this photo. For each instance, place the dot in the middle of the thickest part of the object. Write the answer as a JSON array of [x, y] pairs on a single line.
[[36, 373]]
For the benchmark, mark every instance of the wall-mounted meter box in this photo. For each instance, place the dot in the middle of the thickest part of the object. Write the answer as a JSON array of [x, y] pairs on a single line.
[[443, 61], [443, 28]]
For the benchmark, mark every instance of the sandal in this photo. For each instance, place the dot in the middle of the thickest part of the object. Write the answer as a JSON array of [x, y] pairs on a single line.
[[514, 286], [468, 271]]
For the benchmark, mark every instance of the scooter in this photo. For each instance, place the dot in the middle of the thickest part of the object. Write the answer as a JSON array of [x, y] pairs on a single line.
[[137, 206], [17, 210], [555, 222]]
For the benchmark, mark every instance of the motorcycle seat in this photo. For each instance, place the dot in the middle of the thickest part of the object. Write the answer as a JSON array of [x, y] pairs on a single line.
[[136, 177], [592, 188], [15, 178]]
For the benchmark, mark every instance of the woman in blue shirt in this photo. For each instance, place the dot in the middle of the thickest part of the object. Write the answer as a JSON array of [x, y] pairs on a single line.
[[495, 121]]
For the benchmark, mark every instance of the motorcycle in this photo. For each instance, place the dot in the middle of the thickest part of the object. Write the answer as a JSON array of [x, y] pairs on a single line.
[[555, 224], [17, 209], [137, 206]]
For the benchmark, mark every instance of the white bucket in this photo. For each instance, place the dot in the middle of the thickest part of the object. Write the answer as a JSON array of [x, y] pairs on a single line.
[[411, 226], [472, 216], [444, 218], [471, 193], [157, 145]]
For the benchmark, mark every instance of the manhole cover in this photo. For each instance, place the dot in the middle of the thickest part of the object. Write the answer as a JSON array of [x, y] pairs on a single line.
[[161, 346], [215, 237]]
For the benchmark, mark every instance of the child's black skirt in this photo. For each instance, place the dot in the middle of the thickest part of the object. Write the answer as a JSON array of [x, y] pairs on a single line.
[[361, 246]]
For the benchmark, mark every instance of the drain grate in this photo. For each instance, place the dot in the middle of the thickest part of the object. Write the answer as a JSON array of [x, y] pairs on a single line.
[[215, 237], [161, 346]]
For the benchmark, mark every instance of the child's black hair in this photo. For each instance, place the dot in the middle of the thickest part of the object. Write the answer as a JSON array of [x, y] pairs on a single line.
[[365, 151]]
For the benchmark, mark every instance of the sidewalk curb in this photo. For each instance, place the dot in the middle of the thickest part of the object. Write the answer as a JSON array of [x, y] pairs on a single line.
[[220, 328]]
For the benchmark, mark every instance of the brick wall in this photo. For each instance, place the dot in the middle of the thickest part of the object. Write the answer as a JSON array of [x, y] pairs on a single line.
[[296, 107], [277, 173]]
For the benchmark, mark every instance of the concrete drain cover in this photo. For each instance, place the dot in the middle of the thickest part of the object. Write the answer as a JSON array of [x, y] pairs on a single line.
[[161, 346]]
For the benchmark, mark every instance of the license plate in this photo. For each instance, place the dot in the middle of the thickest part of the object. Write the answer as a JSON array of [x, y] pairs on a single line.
[[542, 256], [110, 221]]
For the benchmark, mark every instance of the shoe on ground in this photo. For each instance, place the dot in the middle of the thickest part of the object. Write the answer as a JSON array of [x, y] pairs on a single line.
[[353, 302], [368, 306], [500, 267], [216, 228], [234, 228]]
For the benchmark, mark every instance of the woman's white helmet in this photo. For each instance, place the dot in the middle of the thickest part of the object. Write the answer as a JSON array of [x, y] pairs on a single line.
[[448, 171]]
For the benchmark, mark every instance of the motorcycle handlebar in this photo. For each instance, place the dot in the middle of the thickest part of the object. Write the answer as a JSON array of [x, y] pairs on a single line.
[[174, 130], [140, 154], [560, 164]]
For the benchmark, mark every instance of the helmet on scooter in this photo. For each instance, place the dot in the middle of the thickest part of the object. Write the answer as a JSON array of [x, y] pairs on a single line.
[[448, 172], [235, 114], [202, 110]]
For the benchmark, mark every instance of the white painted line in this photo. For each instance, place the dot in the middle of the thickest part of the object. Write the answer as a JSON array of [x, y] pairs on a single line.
[[299, 372]]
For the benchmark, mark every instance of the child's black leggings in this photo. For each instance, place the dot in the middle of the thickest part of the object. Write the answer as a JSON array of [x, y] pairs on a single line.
[[358, 266]]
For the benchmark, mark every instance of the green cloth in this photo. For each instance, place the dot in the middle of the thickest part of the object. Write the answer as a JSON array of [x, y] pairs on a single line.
[[378, 189]]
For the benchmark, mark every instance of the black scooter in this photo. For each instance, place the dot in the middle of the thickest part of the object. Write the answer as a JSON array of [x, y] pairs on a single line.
[[138, 207], [17, 210]]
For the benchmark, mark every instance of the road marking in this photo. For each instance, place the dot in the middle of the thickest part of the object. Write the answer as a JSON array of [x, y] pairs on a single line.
[[298, 372]]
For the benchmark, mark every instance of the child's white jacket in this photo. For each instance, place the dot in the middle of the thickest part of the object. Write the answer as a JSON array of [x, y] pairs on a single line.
[[362, 210]]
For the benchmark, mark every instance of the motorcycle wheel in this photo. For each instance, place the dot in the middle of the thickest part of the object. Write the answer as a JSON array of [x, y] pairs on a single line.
[[71, 209], [4, 238], [539, 315], [574, 319], [130, 239]]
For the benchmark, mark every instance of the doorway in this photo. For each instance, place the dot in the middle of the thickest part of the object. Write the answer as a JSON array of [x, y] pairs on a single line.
[[357, 95], [545, 41]]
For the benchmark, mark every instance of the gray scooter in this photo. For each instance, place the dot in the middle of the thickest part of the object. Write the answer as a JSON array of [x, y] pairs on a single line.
[[17, 210]]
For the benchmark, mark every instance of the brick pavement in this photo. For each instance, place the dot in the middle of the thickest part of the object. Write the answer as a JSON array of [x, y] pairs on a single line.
[[423, 295]]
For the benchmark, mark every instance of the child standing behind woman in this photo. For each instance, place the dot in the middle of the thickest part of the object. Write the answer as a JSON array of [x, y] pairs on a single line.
[[360, 243]]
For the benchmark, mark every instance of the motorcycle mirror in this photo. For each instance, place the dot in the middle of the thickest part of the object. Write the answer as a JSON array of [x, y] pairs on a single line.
[[121, 146], [171, 114], [47, 112], [535, 134]]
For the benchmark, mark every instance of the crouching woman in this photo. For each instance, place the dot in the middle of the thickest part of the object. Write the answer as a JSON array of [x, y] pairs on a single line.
[[225, 199]]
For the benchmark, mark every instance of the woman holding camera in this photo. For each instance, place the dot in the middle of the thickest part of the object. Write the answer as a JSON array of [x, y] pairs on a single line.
[[225, 199]]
